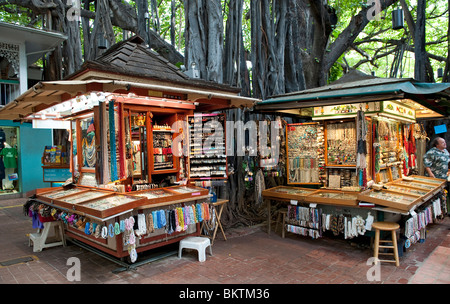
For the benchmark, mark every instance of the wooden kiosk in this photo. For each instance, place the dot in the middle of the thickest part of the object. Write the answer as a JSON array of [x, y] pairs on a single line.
[[351, 159], [128, 114]]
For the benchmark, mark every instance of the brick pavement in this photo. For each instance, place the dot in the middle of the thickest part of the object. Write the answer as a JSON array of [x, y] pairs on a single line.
[[249, 256]]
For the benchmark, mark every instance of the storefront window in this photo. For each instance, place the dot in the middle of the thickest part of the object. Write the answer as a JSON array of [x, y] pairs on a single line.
[[8, 160]]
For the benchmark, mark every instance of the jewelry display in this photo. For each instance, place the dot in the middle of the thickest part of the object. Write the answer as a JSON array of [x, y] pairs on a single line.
[[347, 178], [426, 180], [207, 149], [406, 190], [305, 153], [415, 184], [109, 202], [61, 193], [341, 143], [313, 222], [391, 197], [77, 198], [162, 148], [155, 193], [88, 179], [304, 221]]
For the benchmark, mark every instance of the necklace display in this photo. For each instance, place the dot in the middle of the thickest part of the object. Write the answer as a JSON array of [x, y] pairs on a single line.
[[305, 153], [313, 222], [341, 143]]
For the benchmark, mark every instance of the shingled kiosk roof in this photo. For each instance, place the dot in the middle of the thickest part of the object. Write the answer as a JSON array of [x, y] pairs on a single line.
[[133, 58], [127, 66]]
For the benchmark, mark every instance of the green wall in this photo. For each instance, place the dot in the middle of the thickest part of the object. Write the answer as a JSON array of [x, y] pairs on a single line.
[[31, 143]]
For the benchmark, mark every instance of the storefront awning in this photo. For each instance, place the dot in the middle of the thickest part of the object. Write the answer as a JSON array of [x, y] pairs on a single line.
[[46, 94], [433, 96]]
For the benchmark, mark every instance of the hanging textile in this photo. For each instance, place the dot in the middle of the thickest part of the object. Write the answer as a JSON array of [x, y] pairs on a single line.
[[112, 141], [361, 165], [122, 173], [104, 144]]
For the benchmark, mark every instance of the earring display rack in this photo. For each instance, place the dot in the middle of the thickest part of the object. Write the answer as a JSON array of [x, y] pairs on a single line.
[[207, 158]]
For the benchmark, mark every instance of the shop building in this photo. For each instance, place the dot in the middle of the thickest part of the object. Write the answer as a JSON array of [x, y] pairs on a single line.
[[20, 48]]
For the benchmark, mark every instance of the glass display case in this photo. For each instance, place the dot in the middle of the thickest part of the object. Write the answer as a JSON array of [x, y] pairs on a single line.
[[331, 197], [407, 190], [428, 180], [414, 184], [386, 198], [287, 193], [90, 201]]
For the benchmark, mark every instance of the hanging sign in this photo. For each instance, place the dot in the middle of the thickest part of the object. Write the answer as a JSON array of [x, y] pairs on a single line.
[[346, 109], [440, 129], [394, 108]]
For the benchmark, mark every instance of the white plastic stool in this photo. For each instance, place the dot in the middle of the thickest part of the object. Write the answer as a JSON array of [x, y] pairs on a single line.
[[198, 243], [39, 239]]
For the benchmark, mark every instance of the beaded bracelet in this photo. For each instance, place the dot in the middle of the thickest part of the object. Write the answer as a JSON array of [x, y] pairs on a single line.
[[104, 232], [111, 230]]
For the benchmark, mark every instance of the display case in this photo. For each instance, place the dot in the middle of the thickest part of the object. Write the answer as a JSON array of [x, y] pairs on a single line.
[[171, 194], [428, 180], [305, 153], [207, 147], [287, 193], [333, 197], [90, 201], [386, 198], [163, 157]]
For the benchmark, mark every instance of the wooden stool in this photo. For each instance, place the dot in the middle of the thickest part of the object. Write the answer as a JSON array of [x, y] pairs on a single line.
[[386, 226], [281, 215]]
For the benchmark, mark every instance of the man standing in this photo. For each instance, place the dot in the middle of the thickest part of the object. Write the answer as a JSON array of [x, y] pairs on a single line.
[[436, 159]]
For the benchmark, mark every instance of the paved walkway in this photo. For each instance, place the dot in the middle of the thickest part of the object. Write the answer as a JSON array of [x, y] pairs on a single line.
[[249, 256]]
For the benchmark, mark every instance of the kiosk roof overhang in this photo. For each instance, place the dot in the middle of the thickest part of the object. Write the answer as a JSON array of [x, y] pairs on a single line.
[[46, 94], [433, 96]]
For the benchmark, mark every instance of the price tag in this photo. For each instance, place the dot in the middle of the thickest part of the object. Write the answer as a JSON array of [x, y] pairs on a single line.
[[312, 205], [294, 202]]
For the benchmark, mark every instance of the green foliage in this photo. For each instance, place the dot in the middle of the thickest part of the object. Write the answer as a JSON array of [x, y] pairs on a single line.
[[373, 50]]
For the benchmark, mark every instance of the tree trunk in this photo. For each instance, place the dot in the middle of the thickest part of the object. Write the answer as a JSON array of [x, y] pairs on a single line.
[[195, 53], [214, 49], [446, 77], [419, 43], [412, 29]]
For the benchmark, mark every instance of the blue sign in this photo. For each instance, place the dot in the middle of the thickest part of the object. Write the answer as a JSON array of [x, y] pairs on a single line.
[[440, 129]]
